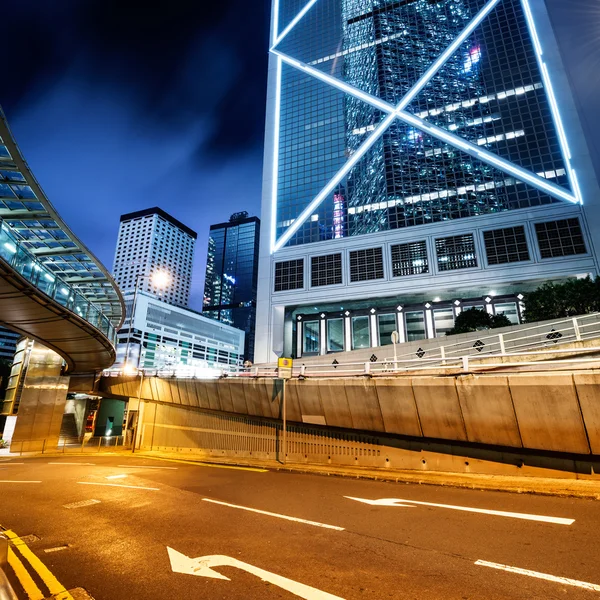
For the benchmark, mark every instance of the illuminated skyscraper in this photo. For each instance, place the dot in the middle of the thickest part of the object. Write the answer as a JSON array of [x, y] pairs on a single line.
[[231, 275], [422, 156]]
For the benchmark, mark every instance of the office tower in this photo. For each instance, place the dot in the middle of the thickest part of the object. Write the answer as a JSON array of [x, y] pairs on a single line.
[[151, 240], [232, 273], [422, 157]]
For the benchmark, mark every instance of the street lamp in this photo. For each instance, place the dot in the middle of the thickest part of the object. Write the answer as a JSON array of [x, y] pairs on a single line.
[[161, 280]]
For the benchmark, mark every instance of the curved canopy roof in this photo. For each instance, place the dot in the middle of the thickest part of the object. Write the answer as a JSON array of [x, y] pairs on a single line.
[[38, 227]]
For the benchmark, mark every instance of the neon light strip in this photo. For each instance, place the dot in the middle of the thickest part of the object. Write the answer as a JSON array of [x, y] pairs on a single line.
[[294, 22], [308, 211], [336, 83], [275, 172], [481, 154], [275, 31], [447, 54], [558, 123]]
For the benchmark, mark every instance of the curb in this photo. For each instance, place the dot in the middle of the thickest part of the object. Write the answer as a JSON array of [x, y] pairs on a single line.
[[567, 488]]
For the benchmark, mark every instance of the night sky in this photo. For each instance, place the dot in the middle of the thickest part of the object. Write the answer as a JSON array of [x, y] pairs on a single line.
[[120, 105]]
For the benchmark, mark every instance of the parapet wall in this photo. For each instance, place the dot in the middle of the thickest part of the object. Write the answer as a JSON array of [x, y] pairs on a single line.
[[553, 412]]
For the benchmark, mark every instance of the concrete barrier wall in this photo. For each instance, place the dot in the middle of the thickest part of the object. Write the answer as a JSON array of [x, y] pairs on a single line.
[[539, 411]]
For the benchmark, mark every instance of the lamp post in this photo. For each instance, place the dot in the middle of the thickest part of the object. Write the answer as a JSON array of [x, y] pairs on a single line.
[[161, 280]]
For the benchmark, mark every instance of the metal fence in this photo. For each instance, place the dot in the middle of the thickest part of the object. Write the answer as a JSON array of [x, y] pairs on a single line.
[[52, 445]]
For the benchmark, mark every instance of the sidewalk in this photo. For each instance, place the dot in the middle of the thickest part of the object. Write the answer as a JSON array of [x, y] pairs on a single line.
[[572, 488]]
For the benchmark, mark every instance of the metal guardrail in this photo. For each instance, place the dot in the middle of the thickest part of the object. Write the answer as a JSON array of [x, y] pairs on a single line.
[[45, 445], [32, 269]]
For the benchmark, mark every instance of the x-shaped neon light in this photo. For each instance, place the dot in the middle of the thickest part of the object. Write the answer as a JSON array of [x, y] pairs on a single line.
[[398, 112]]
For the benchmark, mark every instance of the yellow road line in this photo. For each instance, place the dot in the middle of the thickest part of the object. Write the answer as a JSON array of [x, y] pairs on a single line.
[[31, 589], [54, 586], [203, 464]]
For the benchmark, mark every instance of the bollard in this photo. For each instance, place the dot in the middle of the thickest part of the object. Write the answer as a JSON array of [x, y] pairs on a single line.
[[465, 362]]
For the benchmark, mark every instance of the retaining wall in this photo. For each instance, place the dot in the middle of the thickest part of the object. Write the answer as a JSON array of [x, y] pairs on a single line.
[[552, 412]]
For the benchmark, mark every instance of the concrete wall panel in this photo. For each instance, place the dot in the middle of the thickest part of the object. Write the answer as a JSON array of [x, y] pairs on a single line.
[[364, 405], [293, 403], [335, 403], [264, 396], [588, 391], [202, 394], [311, 409], [438, 407], [398, 408], [238, 400], [548, 412], [212, 393], [225, 392], [488, 411]]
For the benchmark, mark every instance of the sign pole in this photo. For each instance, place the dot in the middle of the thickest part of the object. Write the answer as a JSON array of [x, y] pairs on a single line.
[[284, 371], [284, 422]]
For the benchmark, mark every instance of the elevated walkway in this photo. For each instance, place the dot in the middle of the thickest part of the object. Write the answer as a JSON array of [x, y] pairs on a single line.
[[52, 288]]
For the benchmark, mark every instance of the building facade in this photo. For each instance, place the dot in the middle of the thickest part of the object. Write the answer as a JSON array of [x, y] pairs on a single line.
[[8, 343], [232, 275], [421, 157], [164, 336], [151, 240]]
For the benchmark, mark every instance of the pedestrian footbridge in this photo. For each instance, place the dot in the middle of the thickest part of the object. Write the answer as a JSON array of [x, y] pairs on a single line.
[[52, 288]]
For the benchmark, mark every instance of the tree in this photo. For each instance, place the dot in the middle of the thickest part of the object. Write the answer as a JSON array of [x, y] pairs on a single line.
[[475, 319], [560, 300]]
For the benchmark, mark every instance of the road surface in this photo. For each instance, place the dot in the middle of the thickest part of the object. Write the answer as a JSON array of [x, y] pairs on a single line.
[[129, 527]]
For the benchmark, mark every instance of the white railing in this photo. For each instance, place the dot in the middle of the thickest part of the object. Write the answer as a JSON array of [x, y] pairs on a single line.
[[520, 343]]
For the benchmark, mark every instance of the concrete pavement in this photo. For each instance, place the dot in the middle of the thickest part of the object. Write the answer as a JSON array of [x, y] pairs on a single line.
[[105, 524]]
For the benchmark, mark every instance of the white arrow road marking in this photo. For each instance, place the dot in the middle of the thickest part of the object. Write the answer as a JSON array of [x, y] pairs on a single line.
[[202, 567], [271, 514], [564, 580], [133, 487], [484, 511]]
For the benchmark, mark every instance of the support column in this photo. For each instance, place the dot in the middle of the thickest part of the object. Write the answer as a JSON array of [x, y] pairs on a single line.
[[373, 330], [347, 334], [401, 327], [323, 336], [429, 329], [41, 404], [299, 338]]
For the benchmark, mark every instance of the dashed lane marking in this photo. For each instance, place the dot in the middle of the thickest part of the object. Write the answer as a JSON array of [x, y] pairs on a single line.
[[119, 485], [17, 481], [81, 504], [194, 463], [77, 464], [145, 467], [56, 549], [564, 580], [57, 590], [277, 515], [121, 476]]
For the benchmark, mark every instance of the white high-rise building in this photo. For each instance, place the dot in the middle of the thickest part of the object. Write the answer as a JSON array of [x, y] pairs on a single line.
[[151, 240]]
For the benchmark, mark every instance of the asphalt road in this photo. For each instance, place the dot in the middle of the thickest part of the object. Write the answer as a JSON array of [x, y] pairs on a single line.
[[117, 546]]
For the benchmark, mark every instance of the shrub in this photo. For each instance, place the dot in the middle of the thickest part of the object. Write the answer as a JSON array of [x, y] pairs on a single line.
[[559, 300], [475, 319]]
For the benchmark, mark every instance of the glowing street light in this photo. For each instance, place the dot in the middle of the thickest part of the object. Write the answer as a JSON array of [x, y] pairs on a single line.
[[159, 279]]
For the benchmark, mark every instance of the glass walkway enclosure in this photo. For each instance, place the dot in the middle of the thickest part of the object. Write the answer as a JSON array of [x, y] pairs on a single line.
[[52, 288]]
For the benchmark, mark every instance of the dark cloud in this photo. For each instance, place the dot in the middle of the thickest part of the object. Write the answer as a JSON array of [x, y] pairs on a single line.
[[176, 61]]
